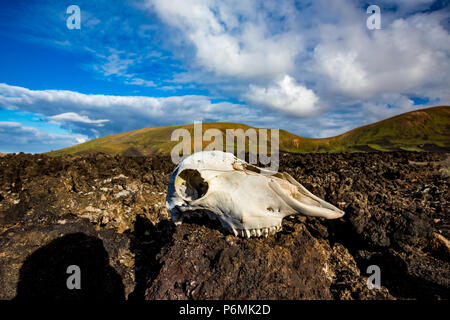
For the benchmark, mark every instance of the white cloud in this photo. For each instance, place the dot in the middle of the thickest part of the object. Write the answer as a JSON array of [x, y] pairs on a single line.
[[112, 114], [286, 96], [234, 38], [405, 55], [75, 117], [15, 136], [117, 63], [324, 44], [140, 82]]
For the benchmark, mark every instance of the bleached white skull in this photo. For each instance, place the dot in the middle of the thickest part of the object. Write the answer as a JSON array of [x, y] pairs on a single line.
[[248, 201]]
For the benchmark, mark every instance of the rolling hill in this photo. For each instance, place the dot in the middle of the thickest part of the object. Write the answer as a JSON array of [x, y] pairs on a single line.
[[420, 130]]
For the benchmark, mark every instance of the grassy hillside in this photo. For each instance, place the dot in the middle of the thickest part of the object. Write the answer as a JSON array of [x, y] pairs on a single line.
[[415, 130], [426, 129]]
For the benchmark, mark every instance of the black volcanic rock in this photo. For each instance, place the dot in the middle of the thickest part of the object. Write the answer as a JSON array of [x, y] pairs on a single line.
[[203, 263]]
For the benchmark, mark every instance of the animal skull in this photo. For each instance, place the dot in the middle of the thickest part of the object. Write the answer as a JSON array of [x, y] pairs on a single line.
[[248, 201]]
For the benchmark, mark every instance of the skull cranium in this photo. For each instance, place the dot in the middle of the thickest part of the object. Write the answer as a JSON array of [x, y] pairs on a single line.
[[247, 200]]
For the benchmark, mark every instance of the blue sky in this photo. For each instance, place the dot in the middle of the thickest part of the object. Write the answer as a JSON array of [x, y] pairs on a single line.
[[310, 67]]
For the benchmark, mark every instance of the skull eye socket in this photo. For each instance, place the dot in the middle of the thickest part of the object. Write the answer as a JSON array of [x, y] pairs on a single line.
[[190, 185]]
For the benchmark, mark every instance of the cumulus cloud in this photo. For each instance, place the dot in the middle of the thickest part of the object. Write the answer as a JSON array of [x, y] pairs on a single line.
[[234, 38], [286, 96], [405, 55], [15, 136], [323, 44]]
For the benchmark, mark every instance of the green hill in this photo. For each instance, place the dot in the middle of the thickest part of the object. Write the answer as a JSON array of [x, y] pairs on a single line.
[[420, 130]]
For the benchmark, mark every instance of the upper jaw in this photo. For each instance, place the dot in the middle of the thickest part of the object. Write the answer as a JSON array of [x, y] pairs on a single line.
[[302, 201]]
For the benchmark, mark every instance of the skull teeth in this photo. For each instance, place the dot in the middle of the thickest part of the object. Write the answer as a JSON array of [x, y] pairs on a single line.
[[249, 233]]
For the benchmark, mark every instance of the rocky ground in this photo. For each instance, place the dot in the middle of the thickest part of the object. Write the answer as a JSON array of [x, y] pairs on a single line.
[[107, 215]]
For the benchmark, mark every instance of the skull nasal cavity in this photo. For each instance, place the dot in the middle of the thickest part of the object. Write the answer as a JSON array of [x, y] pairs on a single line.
[[191, 185]]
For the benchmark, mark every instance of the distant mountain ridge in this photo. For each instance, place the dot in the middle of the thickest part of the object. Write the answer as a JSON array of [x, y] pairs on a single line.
[[420, 130]]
